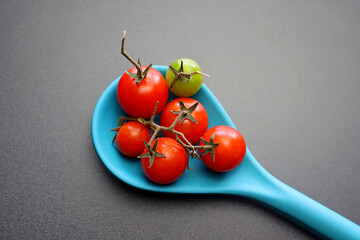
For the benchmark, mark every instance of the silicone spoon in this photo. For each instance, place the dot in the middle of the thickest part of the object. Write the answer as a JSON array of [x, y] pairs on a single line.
[[250, 179]]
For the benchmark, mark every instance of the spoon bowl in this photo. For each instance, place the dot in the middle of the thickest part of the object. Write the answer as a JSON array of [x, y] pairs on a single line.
[[250, 179]]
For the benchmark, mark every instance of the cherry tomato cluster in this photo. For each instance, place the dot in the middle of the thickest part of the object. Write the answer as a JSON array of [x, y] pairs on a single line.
[[165, 148]]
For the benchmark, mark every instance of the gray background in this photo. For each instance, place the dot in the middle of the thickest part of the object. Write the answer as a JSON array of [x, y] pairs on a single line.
[[287, 72]]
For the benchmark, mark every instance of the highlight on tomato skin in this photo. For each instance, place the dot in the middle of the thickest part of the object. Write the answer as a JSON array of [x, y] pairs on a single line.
[[168, 169], [130, 138], [191, 130], [230, 152]]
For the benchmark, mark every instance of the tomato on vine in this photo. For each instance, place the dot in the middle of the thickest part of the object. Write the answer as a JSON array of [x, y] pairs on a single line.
[[140, 88], [184, 77], [229, 151], [193, 125], [139, 99], [130, 138], [168, 162]]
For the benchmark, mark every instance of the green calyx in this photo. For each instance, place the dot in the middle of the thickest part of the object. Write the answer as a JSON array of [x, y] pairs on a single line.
[[179, 75], [186, 112], [152, 153], [182, 76], [210, 147], [140, 75]]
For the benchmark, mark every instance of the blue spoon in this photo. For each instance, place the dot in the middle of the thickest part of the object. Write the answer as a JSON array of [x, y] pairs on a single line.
[[249, 180]]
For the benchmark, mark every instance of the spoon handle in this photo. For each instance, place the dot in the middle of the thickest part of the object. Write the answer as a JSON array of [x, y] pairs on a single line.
[[297, 207]]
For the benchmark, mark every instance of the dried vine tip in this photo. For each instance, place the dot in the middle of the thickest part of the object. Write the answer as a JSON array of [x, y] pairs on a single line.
[[204, 74], [140, 75], [112, 142], [210, 147]]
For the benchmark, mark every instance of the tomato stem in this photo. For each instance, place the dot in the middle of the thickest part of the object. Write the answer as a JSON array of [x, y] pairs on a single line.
[[182, 76], [140, 75], [184, 113]]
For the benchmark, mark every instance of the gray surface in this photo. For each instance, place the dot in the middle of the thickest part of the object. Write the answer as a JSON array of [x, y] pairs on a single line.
[[287, 72]]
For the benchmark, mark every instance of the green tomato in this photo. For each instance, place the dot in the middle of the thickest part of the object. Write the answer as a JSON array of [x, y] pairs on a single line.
[[188, 83]]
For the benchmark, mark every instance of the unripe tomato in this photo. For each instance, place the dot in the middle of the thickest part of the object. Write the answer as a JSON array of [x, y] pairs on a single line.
[[129, 138], [230, 151], [166, 169], [180, 88]]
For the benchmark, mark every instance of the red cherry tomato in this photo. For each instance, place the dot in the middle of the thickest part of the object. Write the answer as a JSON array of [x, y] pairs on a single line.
[[139, 100], [191, 130], [129, 138], [230, 151], [166, 169]]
